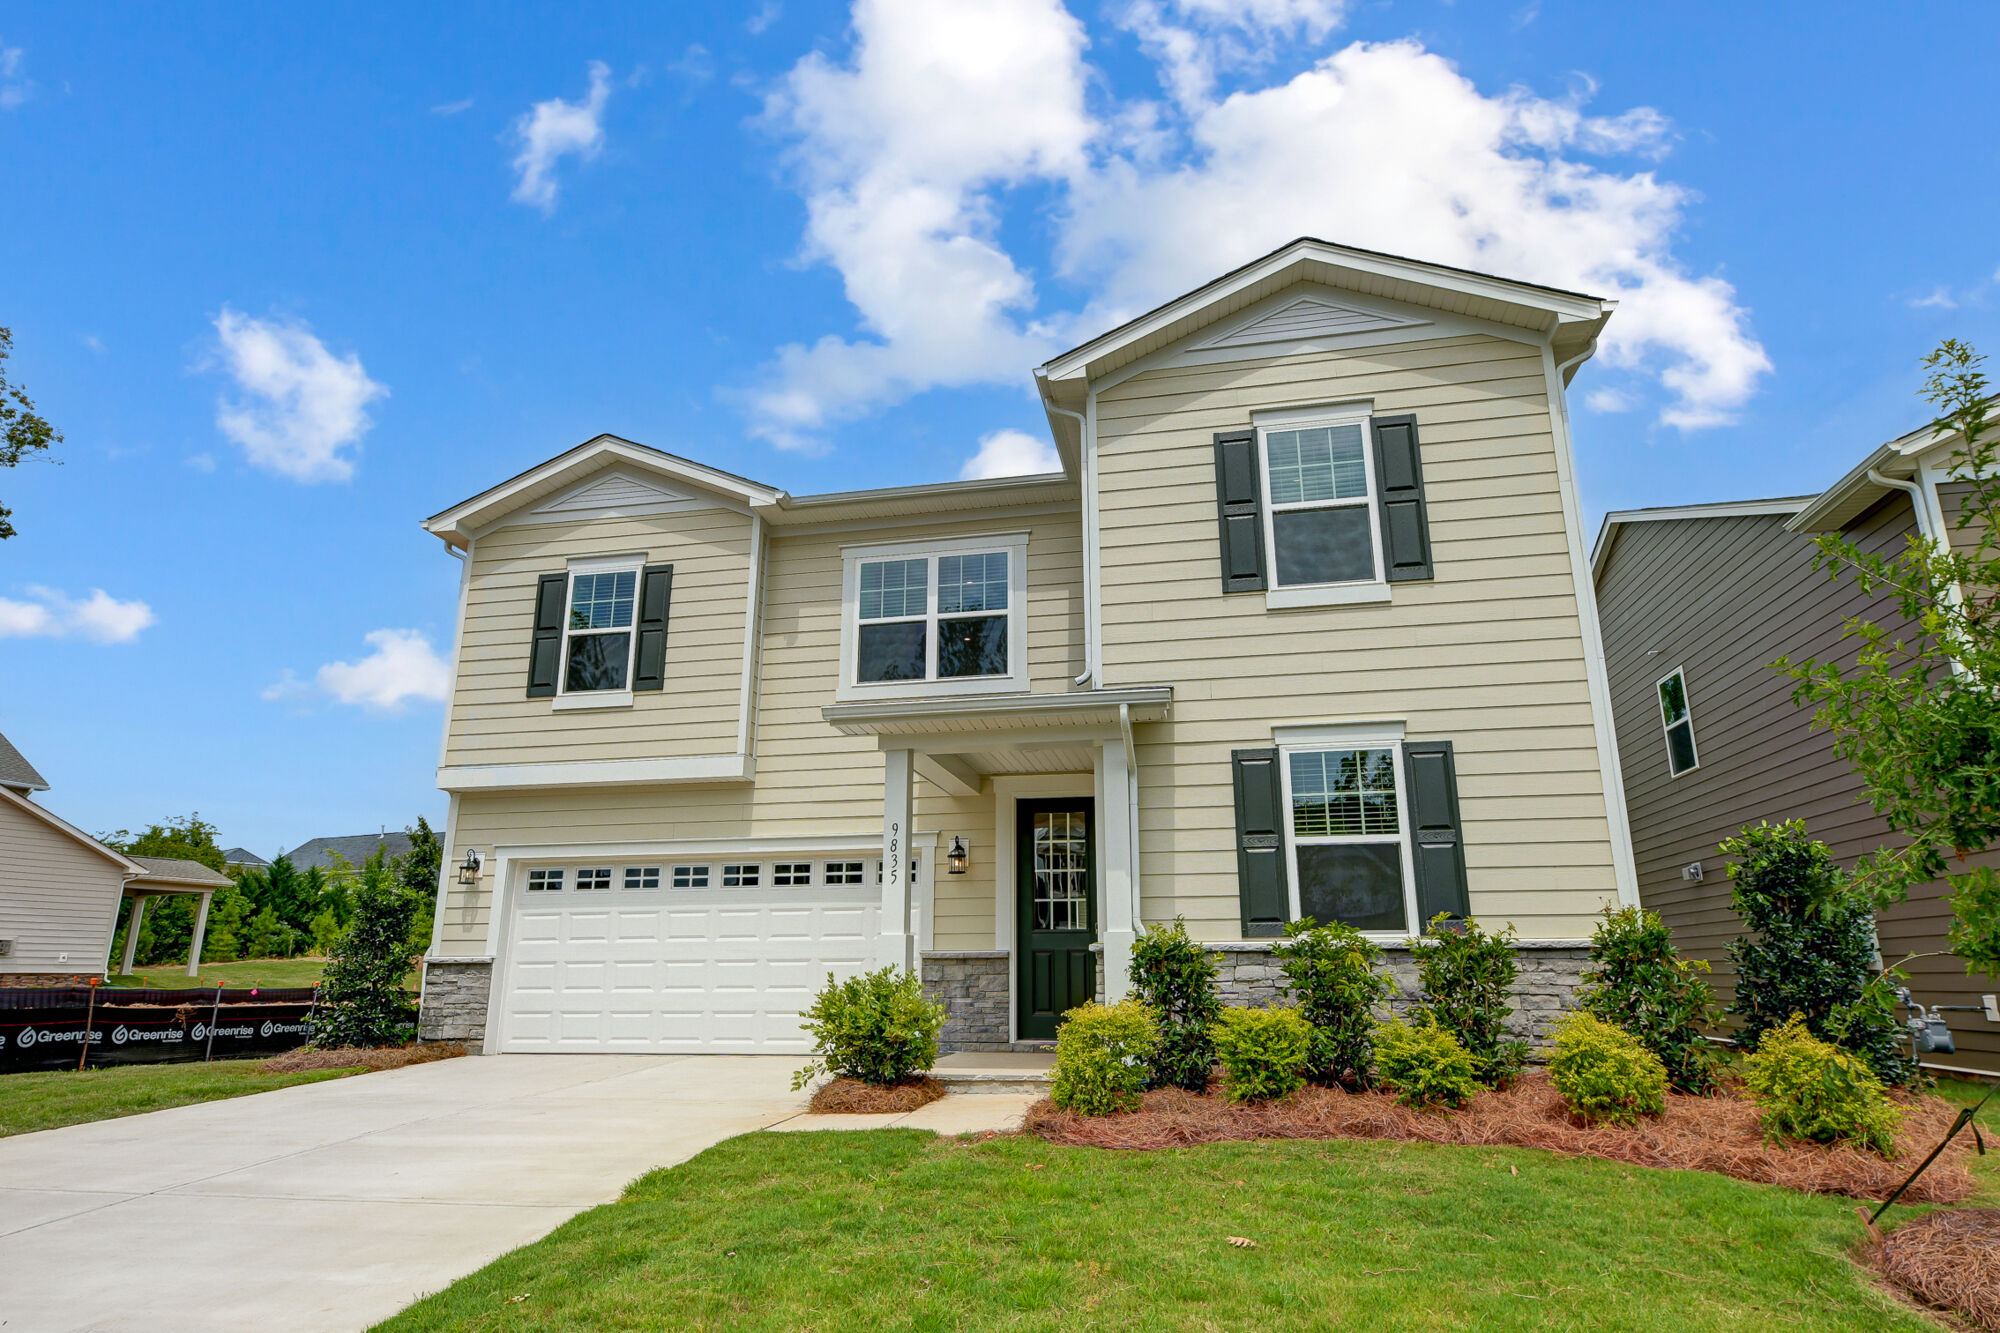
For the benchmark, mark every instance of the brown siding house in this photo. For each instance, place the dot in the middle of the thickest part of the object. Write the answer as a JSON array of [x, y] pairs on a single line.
[[1717, 593]]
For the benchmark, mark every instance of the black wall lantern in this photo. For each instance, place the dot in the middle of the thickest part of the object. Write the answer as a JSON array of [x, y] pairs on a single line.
[[958, 858], [468, 871]]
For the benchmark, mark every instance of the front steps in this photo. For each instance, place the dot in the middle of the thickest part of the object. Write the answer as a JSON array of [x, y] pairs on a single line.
[[1017, 1071]]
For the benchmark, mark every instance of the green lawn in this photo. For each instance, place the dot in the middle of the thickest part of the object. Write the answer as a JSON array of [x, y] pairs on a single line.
[[899, 1229], [65, 1097], [255, 972]]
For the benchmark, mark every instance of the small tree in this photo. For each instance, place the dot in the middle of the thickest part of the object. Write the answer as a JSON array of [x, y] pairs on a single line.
[[1335, 974], [1812, 947], [1917, 713], [362, 1001], [1175, 978], [418, 870], [22, 430]]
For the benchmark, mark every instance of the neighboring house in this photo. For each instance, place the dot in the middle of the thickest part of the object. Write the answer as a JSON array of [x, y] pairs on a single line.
[[60, 889], [1697, 602], [1303, 626], [352, 851], [243, 858]]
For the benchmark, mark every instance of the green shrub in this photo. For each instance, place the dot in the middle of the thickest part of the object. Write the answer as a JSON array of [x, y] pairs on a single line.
[[1424, 1064], [1263, 1052], [1334, 974], [1639, 982], [1812, 948], [877, 1027], [1811, 1089], [1101, 1057], [1603, 1073], [361, 997], [1466, 975], [1175, 978]]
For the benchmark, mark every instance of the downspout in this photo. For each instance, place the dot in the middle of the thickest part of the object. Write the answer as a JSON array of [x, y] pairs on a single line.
[[448, 844], [1131, 811], [1917, 505], [1087, 465]]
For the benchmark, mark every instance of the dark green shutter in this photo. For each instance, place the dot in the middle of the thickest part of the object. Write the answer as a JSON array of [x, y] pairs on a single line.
[[1261, 881], [545, 648], [1434, 827], [1242, 519], [656, 590], [1399, 471]]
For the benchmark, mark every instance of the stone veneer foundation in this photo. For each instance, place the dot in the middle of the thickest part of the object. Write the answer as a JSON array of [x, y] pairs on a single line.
[[43, 980], [972, 986], [457, 992], [1551, 970]]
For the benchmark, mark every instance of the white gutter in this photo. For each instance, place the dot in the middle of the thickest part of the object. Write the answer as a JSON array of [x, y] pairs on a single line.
[[1918, 506], [1131, 811]]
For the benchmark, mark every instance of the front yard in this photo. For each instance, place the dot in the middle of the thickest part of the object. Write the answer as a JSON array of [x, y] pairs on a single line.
[[900, 1229], [271, 972], [52, 1098]]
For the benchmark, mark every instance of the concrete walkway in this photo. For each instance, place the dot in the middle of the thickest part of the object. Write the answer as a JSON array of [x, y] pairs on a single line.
[[332, 1205]]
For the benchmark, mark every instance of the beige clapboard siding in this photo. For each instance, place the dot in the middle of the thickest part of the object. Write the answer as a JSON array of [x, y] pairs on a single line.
[[56, 897], [696, 713], [810, 780], [1489, 653]]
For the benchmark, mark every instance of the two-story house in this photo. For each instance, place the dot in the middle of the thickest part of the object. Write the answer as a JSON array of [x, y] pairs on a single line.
[[1304, 626]]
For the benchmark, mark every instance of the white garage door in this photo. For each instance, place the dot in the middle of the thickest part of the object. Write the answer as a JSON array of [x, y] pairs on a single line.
[[717, 956]]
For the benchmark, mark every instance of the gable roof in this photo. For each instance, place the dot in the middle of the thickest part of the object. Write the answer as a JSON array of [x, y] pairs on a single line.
[[242, 856], [174, 870], [1607, 532], [9, 797], [1857, 492], [16, 771], [1573, 318], [353, 849]]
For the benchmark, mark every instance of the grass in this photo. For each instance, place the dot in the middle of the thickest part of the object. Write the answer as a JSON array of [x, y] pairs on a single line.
[[899, 1229], [50, 1099], [278, 972]]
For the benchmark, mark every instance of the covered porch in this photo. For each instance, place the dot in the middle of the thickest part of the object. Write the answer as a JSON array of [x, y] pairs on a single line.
[[162, 876], [1015, 820]]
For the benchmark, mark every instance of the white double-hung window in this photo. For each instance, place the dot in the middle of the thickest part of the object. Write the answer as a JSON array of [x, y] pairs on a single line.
[[597, 627], [1321, 523], [934, 617], [1347, 833]]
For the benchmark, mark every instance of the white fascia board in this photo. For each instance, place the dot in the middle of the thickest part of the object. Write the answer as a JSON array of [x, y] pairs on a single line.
[[596, 773], [1560, 306], [1607, 531]]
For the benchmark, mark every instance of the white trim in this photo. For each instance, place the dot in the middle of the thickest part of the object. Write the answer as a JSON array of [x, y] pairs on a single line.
[[596, 772], [584, 699], [753, 623], [1008, 792], [1313, 414], [1337, 734], [1326, 594], [1013, 544], [1666, 730], [1390, 738], [457, 647], [1093, 551], [447, 874], [1327, 318], [1375, 589], [694, 849], [1600, 550], [633, 563], [1597, 675]]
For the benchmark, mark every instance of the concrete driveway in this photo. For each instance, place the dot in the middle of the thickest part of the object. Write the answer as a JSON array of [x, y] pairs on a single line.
[[333, 1205]]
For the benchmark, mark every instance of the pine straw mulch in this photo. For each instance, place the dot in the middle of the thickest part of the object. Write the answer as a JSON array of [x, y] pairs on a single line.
[[1949, 1260], [1717, 1134], [372, 1058], [850, 1096]]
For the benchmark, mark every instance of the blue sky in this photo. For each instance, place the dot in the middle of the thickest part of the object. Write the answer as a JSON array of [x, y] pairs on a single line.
[[290, 280]]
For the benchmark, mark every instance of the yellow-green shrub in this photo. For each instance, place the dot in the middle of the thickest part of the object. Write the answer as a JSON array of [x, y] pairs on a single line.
[[1603, 1073], [1425, 1064], [1811, 1089], [1101, 1057], [1263, 1052]]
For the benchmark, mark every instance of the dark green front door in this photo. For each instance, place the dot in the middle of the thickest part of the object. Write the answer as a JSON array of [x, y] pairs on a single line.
[[1057, 897]]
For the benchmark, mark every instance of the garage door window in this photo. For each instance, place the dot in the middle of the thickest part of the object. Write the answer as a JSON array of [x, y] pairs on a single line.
[[690, 877], [843, 872], [740, 877], [592, 878], [792, 874], [545, 881], [642, 877]]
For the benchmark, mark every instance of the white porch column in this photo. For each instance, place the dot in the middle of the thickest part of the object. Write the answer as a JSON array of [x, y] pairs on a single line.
[[132, 934], [898, 807], [1118, 912], [200, 929]]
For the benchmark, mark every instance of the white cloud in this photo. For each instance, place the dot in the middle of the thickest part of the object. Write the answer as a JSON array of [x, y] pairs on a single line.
[[403, 666], [452, 108], [202, 462], [1010, 453], [555, 129], [767, 13], [53, 614], [301, 406], [1608, 400], [93, 342], [14, 88], [909, 150], [1939, 297]]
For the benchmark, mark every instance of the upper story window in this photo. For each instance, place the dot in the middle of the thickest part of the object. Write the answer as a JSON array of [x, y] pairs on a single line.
[[1679, 723], [597, 634], [942, 616], [1320, 524]]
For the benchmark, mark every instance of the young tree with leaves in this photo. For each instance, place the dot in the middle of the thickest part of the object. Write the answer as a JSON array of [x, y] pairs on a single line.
[[22, 430], [362, 1000], [1918, 712]]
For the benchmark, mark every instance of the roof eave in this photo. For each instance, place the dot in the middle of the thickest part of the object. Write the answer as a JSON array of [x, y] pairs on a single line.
[[1618, 519]]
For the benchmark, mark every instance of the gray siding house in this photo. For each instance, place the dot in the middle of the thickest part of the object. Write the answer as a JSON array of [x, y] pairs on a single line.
[[1696, 602]]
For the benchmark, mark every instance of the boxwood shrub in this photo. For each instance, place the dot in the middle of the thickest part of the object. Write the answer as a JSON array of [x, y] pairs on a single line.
[[1263, 1052], [1101, 1057], [1811, 1089], [877, 1027], [1603, 1073]]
